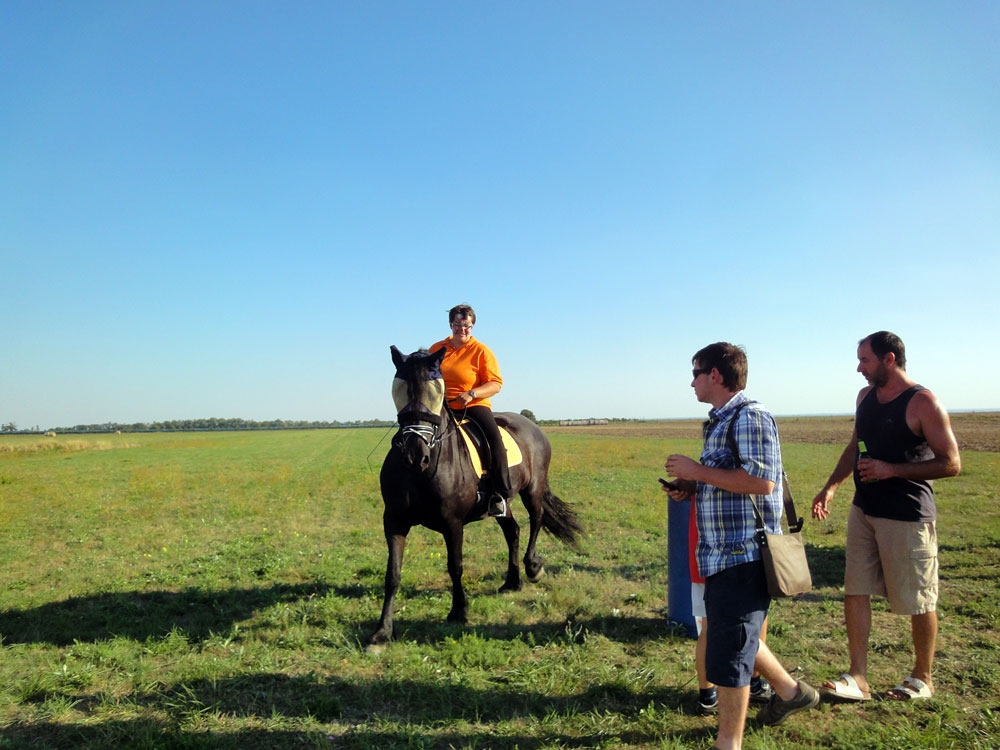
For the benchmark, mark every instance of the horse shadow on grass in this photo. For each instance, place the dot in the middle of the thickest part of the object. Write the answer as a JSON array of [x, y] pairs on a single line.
[[361, 712], [826, 567], [145, 614], [430, 631]]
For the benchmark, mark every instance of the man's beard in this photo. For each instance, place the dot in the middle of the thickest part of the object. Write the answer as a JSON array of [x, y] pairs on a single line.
[[879, 378]]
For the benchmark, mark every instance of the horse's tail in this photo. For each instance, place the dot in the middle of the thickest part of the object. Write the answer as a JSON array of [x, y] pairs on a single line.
[[559, 520]]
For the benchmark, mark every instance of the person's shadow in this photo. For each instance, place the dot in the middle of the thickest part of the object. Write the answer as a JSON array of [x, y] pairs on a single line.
[[330, 699]]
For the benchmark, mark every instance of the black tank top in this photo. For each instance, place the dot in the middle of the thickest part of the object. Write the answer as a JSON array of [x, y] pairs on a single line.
[[884, 430]]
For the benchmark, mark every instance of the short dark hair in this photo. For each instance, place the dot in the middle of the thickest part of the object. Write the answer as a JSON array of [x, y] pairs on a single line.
[[462, 311], [884, 342], [730, 360]]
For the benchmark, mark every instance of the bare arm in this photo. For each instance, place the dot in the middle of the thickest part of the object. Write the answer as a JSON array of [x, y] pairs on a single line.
[[485, 390], [841, 473], [731, 480]]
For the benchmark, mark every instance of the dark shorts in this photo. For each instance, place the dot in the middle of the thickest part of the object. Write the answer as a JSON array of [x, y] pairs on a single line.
[[736, 603]]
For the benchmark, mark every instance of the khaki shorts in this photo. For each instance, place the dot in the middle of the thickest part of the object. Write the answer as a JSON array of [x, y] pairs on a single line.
[[894, 559]]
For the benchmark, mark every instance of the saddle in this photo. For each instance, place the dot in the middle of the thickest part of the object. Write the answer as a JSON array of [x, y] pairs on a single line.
[[479, 446]]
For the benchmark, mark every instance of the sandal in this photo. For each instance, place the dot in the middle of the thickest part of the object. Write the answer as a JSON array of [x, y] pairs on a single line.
[[845, 688], [911, 689]]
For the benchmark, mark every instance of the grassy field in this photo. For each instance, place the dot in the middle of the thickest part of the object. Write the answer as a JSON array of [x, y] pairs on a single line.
[[215, 590]]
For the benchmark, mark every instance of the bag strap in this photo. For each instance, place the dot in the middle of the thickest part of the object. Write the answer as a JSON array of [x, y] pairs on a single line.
[[795, 522]]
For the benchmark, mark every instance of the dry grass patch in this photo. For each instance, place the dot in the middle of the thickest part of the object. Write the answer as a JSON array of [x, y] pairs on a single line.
[[975, 431], [45, 444]]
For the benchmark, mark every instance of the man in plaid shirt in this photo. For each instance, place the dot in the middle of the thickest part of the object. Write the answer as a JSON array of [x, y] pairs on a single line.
[[736, 598]]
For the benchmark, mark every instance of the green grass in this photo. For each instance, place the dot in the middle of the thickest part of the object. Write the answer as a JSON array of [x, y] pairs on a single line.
[[215, 590]]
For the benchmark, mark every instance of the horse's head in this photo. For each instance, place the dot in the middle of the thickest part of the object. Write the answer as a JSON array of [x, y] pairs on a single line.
[[418, 392]]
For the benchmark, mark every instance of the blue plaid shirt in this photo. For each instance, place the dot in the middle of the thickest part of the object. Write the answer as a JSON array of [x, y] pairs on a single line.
[[725, 519]]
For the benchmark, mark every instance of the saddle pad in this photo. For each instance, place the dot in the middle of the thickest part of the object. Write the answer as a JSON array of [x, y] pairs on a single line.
[[513, 450]]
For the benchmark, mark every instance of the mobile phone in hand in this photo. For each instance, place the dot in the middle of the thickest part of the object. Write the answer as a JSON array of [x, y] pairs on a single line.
[[670, 485]]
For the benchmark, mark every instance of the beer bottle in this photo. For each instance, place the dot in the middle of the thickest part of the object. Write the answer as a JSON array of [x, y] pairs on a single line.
[[863, 453]]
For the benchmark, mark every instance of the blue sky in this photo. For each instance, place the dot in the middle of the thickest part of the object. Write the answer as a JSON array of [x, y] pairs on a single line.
[[233, 209]]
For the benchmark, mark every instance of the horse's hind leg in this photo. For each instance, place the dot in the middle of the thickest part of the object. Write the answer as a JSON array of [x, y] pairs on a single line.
[[512, 533], [534, 565], [393, 572]]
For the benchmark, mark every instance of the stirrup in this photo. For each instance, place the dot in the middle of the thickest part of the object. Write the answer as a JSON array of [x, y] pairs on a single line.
[[497, 507]]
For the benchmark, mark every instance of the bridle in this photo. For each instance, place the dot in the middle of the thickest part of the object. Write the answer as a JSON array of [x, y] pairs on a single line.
[[412, 424]]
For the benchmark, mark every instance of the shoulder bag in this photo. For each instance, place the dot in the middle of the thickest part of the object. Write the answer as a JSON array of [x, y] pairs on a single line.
[[785, 564]]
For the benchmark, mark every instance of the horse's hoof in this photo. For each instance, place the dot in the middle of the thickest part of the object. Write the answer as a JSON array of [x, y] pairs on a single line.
[[537, 576], [509, 587], [457, 618], [380, 638]]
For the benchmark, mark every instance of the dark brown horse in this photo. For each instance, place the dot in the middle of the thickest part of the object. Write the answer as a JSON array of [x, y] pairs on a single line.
[[429, 479]]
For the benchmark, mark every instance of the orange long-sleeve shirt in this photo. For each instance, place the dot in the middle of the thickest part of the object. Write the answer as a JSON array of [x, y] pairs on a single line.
[[465, 368]]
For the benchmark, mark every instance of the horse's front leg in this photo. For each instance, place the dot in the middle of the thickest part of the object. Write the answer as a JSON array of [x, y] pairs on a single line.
[[393, 573], [454, 538], [512, 533]]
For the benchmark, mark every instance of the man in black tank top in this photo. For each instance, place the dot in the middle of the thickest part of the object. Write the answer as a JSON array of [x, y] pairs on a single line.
[[891, 530], [883, 428]]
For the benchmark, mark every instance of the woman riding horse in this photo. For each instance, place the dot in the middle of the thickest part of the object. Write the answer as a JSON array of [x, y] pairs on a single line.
[[471, 375], [428, 479]]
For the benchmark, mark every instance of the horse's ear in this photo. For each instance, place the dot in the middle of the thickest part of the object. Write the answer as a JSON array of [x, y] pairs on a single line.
[[434, 367], [398, 358]]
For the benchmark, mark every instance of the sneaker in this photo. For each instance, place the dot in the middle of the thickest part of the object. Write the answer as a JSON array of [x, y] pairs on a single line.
[[760, 691], [498, 506], [777, 710], [709, 706]]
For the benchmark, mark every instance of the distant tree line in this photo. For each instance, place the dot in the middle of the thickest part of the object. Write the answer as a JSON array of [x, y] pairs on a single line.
[[214, 423]]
